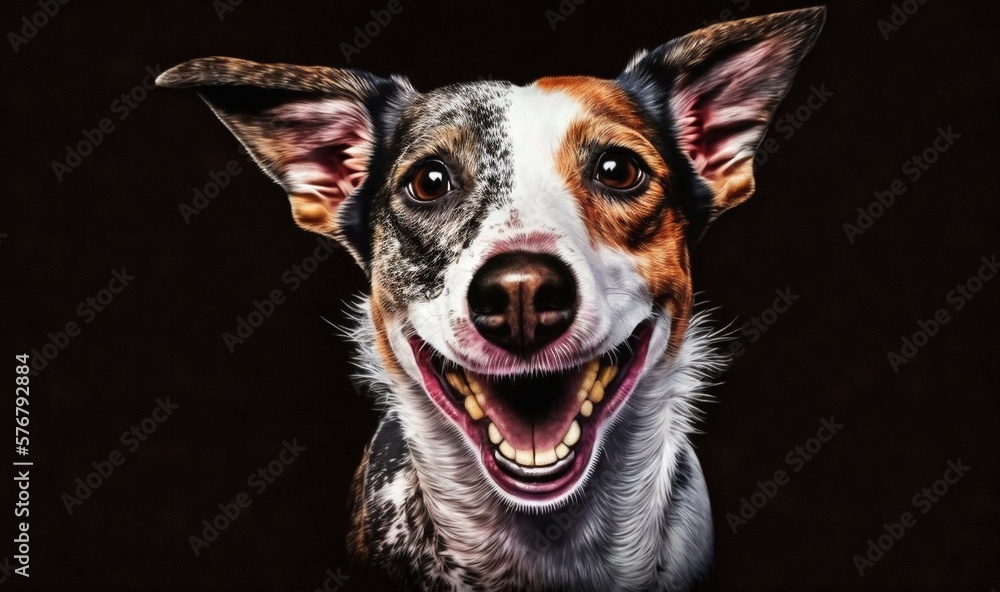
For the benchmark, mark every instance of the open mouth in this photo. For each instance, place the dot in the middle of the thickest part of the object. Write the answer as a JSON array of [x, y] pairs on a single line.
[[536, 433]]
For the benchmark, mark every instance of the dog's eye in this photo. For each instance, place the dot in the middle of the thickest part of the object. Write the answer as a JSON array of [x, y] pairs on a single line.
[[430, 181], [617, 169]]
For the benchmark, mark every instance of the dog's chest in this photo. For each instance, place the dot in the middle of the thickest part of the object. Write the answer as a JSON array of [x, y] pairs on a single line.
[[403, 538]]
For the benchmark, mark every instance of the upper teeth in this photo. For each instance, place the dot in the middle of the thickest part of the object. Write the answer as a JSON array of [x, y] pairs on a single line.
[[457, 383], [595, 380], [607, 374], [473, 384], [589, 378], [473, 408]]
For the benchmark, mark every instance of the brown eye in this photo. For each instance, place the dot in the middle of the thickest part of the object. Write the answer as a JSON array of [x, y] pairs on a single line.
[[617, 169], [430, 182]]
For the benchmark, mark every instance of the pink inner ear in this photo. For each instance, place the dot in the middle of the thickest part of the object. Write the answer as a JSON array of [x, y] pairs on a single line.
[[722, 114], [325, 146]]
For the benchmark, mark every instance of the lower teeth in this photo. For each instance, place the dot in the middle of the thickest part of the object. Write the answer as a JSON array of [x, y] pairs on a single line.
[[533, 472]]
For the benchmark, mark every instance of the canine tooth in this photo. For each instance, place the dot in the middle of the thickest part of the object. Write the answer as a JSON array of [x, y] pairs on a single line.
[[562, 450], [572, 435], [475, 411], [545, 457], [607, 374], [597, 393], [524, 458], [494, 433], [587, 408], [506, 449]]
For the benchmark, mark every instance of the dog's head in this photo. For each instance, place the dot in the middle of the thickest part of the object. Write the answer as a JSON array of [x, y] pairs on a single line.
[[528, 246]]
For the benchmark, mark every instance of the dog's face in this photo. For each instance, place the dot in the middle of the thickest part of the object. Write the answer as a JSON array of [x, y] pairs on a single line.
[[528, 246]]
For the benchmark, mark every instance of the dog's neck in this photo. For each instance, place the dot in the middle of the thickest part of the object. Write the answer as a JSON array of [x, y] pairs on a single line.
[[646, 487]]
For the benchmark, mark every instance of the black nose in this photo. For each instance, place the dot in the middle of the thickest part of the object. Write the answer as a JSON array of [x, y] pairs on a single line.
[[522, 301]]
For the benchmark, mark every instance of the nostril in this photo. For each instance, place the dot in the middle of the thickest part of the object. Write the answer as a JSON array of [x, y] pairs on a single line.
[[493, 327], [488, 302], [488, 298], [557, 294]]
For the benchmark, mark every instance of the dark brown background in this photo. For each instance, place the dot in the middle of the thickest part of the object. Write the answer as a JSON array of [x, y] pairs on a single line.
[[162, 335]]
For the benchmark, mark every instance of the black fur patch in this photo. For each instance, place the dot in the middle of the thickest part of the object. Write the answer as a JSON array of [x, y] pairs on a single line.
[[649, 85], [388, 454], [355, 215]]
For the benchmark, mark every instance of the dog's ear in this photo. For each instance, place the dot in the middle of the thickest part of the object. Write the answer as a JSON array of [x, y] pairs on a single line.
[[716, 89], [314, 130]]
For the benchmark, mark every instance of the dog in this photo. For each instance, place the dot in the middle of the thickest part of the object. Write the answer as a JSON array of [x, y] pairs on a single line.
[[529, 331]]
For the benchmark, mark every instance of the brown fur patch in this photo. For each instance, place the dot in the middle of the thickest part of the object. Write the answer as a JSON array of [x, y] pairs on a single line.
[[221, 71], [357, 546], [648, 227], [377, 306], [735, 187], [314, 212]]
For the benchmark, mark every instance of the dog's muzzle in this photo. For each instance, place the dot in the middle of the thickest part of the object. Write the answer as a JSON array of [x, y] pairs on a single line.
[[535, 432]]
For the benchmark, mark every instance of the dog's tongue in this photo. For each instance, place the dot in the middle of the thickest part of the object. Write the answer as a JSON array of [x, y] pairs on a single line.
[[532, 413]]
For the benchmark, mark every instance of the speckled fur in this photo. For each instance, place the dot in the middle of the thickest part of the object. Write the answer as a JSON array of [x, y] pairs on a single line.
[[413, 249]]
